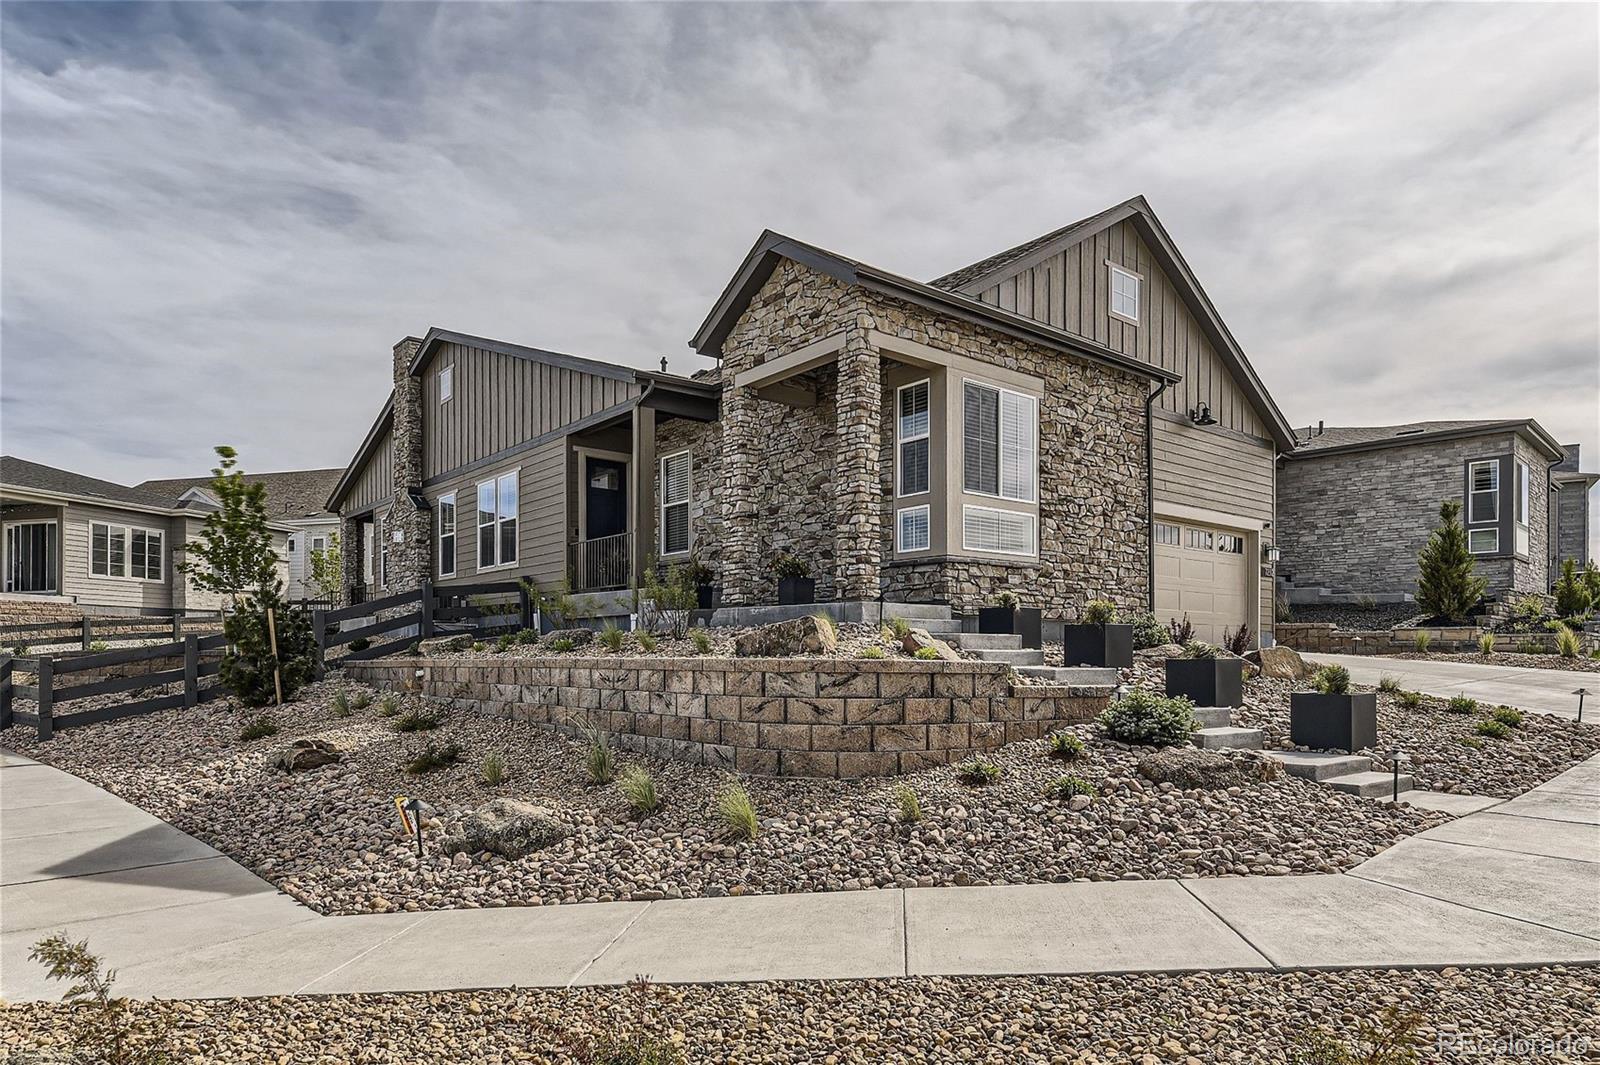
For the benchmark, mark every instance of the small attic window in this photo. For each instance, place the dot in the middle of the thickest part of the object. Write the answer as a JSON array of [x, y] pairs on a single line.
[[1124, 294], [447, 387]]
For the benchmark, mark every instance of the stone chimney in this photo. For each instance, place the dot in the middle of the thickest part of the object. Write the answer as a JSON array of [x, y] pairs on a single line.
[[410, 556]]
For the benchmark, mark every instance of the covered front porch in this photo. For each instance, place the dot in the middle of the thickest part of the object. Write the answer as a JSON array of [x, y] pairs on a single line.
[[30, 550]]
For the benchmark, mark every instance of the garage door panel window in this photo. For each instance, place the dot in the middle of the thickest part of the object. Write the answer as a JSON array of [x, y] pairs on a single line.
[[1230, 544], [1200, 540], [1168, 534]]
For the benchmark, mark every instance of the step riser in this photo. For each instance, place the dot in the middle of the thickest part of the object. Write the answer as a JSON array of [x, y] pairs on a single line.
[[1238, 739], [1213, 716], [916, 612], [987, 641], [1371, 789], [1015, 658], [1320, 771], [1072, 674]]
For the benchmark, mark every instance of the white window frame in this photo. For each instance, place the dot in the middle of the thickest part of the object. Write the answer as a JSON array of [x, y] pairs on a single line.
[[369, 547], [319, 542], [1473, 492], [498, 521], [1177, 534], [440, 535], [902, 440], [1000, 430], [1522, 515], [1487, 530], [1112, 295], [126, 538], [900, 547], [663, 504], [447, 383], [1190, 534], [161, 554], [380, 536], [1033, 534]]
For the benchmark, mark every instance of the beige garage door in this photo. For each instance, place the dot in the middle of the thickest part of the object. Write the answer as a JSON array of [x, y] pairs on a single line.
[[1203, 571]]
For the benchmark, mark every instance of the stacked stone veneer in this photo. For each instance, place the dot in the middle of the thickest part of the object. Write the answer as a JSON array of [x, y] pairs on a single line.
[[409, 560], [789, 717], [1325, 638]]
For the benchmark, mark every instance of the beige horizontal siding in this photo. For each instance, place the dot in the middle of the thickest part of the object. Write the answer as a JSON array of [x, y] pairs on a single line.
[[120, 592], [541, 518]]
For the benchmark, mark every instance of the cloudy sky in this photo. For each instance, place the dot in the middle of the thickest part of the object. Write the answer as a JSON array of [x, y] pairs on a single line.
[[218, 220]]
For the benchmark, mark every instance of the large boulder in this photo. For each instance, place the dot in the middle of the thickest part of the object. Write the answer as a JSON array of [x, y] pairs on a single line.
[[578, 637], [1190, 767], [510, 828], [1283, 663], [307, 754], [917, 639], [798, 636]]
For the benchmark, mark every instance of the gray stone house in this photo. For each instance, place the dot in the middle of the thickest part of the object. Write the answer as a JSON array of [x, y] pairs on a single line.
[[1569, 512], [923, 442], [1356, 505]]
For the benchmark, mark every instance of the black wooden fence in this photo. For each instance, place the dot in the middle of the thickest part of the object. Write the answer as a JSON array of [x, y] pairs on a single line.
[[83, 632]]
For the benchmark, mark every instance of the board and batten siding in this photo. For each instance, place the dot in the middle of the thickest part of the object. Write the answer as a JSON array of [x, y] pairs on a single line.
[[541, 517], [375, 484], [501, 401]]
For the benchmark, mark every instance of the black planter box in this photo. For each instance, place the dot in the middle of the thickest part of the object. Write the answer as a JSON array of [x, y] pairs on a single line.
[[1097, 645], [795, 591], [1207, 681], [1333, 722], [707, 596], [1024, 621]]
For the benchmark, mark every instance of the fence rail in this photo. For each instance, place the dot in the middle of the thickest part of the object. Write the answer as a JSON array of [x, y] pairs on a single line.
[[84, 631]]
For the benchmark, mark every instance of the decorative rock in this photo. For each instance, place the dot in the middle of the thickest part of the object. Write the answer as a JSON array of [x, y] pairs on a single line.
[[807, 635], [1284, 663], [578, 637], [1189, 768], [307, 754], [507, 827], [917, 639]]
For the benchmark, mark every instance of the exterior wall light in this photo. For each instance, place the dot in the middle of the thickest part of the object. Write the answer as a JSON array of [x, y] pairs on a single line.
[[1201, 415], [1270, 554]]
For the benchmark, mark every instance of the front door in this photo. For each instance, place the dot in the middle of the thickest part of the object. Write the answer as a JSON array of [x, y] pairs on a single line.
[[30, 557], [605, 487]]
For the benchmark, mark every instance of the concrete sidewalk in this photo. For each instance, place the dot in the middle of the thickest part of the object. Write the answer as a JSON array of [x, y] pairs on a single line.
[[1545, 691], [1519, 885]]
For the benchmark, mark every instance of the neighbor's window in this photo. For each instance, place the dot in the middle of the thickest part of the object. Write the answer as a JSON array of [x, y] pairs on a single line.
[[1483, 541], [319, 543], [1483, 503], [912, 529], [1003, 532], [447, 384], [912, 425], [108, 550], [1167, 534], [144, 554], [447, 534], [677, 474], [1524, 506], [998, 431], [1125, 294]]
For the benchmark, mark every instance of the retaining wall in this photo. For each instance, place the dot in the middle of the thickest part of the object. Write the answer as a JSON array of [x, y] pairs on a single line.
[[771, 716], [1329, 639]]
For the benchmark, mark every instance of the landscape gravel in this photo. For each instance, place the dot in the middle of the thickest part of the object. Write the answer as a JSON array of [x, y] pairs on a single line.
[[1509, 658], [1544, 1014], [330, 836]]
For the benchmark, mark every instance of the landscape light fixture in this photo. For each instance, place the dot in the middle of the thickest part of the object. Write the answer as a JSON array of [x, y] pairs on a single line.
[[1395, 758], [1580, 693], [1201, 415]]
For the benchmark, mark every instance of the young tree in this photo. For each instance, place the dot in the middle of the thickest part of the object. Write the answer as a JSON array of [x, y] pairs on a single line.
[[1447, 586], [234, 551], [327, 569], [1572, 592]]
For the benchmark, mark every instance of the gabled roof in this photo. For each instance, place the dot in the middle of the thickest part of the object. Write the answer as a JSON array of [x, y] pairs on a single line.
[[20, 473], [437, 337], [771, 247], [1340, 439], [290, 494], [369, 444], [972, 280]]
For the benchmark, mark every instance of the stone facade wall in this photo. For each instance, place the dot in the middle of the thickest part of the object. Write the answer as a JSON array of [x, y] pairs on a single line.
[[788, 717], [410, 560], [1324, 638], [1355, 522], [1532, 576], [1572, 527], [704, 441]]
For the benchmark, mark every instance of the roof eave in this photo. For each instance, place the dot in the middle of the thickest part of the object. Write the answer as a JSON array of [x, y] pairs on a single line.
[[363, 454], [1529, 426]]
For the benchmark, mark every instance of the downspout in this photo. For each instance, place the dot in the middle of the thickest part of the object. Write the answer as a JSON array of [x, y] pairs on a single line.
[[1552, 519], [1150, 493]]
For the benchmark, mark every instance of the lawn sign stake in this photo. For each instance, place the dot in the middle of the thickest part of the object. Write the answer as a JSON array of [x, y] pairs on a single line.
[[1580, 693], [411, 816]]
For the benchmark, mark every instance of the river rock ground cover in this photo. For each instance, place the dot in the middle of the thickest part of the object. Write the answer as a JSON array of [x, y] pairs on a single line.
[[1452, 1015], [330, 837]]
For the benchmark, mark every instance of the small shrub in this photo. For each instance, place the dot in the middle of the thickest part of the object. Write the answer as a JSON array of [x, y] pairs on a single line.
[[908, 806], [926, 654], [1201, 649], [526, 637], [1147, 631], [899, 628], [479, 645], [1422, 641], [1099, 612], [21, 650], [786, 566], [1409, 700], [622, 1044], [1529, 647], [1567, 643], [258, 728], [103, 1028], [638, 789], [1388, 683], [99, 645], [1007, 600], [1495, 730], [561, 644], [492, 770], [341, 704], [1331, 680], [1462, 704], [389, 705], [978, 772], [1365, 603], [1508, 716], [416, 720], [1470, 741], [737, 814], [598, 760], [1392, 1038], [362, 700], [701, 640], [1180, 632], [433, 757], [611, 636], [1068, 786], [1486, 643], [505, 643], [1145, 718], [360, 643], [871, 652], [1237, 641], [1066, 746], [647, 640]]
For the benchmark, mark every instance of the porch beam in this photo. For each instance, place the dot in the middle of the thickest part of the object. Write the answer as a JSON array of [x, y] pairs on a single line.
[[642, 508], [774, 371]]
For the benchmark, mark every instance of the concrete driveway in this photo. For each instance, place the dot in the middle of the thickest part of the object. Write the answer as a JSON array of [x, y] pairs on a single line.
[[1547, 691]]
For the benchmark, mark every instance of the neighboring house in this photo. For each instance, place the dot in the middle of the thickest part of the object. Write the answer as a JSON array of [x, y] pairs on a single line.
[[106, 547], [1569, 512], [922, 442], [1357, 504], [295, 499]]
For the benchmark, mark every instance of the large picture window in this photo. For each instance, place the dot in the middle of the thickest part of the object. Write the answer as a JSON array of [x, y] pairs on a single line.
[[1483, 503], [677, 486], [447, 534], [120, 551], [497, 521], [912, 427], [999, 432]]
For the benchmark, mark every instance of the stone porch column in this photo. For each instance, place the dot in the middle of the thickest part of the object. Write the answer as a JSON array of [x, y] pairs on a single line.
[[741, 569], [410, 560], [858, 486], [349, 557]]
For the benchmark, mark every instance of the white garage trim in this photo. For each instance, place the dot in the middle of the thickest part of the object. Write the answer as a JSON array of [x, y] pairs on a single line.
[[1250, 528], [1201, 516]]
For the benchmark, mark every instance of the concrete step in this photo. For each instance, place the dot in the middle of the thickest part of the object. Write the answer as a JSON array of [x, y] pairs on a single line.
[[1013, 657], [987, 641], [1320, 765], [916, 613], [1369, 785], [1242, 739], [1072, 674], [1213, 716]]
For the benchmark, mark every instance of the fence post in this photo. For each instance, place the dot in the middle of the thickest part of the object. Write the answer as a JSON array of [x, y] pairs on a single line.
[[319, 626], [88, 632], [177, 627], [425, 630], [5, 690], [524, 606], [191, 670], [47, 725]]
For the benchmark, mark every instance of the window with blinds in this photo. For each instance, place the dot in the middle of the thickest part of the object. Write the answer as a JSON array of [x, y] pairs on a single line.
[[1004, 532], [912, 427], [447, 534], [1484, 500], [913, 529], [999, 430], [677, 477]]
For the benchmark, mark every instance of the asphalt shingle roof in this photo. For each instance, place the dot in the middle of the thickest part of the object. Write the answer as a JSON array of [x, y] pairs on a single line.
[[956, 279], [1310, 439], [36, 475], [290, 494]]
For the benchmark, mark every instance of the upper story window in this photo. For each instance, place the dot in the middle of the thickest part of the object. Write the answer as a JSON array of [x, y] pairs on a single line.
[[1483, 503], [1524, 506], [912, 426], [447, 383], [319, 543], [999, 432], [446, 519], [497, 521], [677, 475], [1124, 294]]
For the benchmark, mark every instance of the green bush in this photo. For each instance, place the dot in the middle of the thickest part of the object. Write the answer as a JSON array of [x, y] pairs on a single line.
[[416, 720], [1507, 716], [1066, 746], [1409, 700], [926, 654], [561, 644], [362, 700], [1388, 683], [389, 705], [360, 643], [737, 814], [1486, 643], [479, 645], [899, 628], [977, 771], [1200, 649], [611, 636], [598, 760], [258, 728], [1099, 612], [526, 637], [1147, 631], [341, 704], [505, 643], [247, 667], [1422, 641], [647, 640], [639, 791], [1567, 643], [1495, 730], [492, 770], [908, 806], [787, 566], [1529, 647], [1462, 704], [1147, 719], [1470, 741], [99, 645], [701, 640], [1068, 786], [872, 652], [433, 757], [1331, 680]]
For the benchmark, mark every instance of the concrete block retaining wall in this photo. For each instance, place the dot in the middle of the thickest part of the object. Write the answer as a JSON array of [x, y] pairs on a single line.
[[769, 716], [1329, 639]]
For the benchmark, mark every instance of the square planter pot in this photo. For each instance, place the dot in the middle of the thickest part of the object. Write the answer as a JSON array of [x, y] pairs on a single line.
[[795, 591], [1333, 722], [707, 596], [1024, 621], [1207, 681], [1097, 645]]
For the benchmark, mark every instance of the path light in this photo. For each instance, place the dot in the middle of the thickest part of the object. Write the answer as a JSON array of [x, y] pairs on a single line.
[[1396, 756], [1580, 693], [411, 813]]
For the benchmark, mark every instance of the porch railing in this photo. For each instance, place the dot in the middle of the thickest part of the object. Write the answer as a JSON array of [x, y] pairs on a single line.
[[602, 564]]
